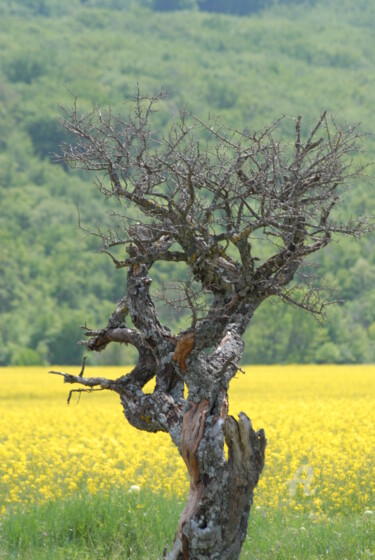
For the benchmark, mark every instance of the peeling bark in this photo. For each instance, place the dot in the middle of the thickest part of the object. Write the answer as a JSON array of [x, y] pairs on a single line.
[[192, 433], [214, 522], [184, 346]]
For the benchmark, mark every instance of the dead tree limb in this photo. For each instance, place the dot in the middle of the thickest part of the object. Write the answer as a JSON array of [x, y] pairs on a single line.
[[243, 211]]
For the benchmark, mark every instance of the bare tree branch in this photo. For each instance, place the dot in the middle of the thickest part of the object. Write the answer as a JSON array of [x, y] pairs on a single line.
[[243, 211]]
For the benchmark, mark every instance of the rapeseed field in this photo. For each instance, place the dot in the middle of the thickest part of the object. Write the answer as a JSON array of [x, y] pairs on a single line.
[[319, 423]]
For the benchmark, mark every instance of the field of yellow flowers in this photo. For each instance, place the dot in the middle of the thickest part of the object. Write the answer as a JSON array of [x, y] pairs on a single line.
[[319, 423]]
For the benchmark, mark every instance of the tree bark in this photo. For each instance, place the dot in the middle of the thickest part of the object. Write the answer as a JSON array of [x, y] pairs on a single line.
[[214, 522]]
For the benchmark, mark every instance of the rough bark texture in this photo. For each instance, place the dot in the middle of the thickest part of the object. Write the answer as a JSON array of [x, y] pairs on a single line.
[[242, 212], [214, 522]]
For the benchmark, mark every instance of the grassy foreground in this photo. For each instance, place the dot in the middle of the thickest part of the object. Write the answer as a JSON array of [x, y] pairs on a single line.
[[138, 525]]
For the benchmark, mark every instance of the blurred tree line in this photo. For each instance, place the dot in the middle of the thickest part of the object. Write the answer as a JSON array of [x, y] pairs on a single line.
[[287, 58], [238, 7]]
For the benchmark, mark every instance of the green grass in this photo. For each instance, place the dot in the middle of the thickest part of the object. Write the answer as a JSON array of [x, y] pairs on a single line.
[[117, 525], [139, 525], [300, 537]]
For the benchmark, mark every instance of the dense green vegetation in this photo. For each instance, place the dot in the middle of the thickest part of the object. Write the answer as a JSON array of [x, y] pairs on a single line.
[[288, 58], [137, 526]]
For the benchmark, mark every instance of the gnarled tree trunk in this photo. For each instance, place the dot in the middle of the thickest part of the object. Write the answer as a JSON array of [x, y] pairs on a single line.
[[214, 521], [242, 213]]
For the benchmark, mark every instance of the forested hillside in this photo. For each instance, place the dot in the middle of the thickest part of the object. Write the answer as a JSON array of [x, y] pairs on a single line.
[[250, 67]]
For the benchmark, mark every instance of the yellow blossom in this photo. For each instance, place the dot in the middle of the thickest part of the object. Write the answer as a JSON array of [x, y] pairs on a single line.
[[319, 423]]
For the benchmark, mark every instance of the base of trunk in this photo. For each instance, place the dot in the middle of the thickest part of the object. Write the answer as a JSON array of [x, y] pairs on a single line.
[[214, 522]]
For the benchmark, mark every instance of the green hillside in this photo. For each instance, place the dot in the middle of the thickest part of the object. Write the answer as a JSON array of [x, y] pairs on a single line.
[[286, 58]]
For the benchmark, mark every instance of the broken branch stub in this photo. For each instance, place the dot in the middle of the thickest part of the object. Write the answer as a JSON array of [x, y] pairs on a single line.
[[246, 448]]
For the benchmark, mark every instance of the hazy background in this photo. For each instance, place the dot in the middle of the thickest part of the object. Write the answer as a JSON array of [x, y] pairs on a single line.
[[250, 66]]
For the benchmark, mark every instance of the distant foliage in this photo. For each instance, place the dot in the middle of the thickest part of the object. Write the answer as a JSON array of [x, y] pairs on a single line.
[[25, 67], [250, 70], [171, 5], [46, 135], [235, 7], [25, 357], [238, 7]]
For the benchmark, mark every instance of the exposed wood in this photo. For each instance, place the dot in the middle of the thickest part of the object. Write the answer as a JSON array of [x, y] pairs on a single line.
[[214, 522], [184, 346], [192, 433]]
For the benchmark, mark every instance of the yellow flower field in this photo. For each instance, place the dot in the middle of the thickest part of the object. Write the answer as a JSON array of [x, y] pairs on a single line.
[[319, 423]]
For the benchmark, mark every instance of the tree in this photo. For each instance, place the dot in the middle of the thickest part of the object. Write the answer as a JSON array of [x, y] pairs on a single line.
[[238, 7], [171, 5], [241, 211]]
